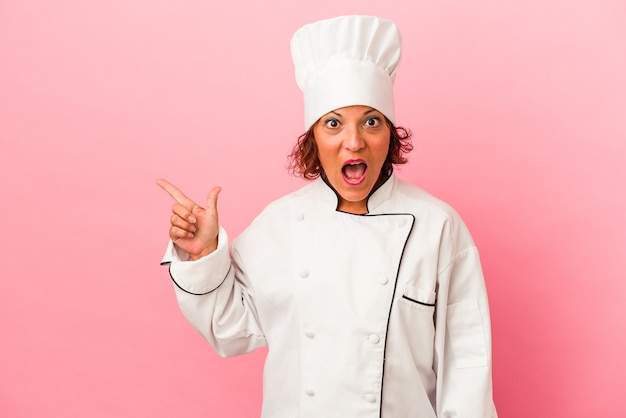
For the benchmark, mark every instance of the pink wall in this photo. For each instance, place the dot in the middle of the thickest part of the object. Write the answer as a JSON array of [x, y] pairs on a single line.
[[519, 115]]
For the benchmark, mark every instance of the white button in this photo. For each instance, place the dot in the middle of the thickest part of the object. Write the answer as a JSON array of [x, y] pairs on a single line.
[[300, 217], [383, 280], [309, 334], [304, 273], [370, 397], [309, 392], [374, 339]]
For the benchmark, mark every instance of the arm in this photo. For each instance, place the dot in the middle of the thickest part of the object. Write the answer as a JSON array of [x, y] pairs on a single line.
[[463, 337], [211, 292]]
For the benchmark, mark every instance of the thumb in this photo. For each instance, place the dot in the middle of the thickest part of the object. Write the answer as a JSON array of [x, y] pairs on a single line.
[[211, 199]]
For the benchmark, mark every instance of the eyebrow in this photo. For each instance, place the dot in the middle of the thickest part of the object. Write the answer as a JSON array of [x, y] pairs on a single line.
[[365, 113]]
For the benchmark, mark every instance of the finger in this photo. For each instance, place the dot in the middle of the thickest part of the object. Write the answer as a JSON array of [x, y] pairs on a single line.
[[177, 233], [175, 192], [184, 212], [211, 200], [181, 223]]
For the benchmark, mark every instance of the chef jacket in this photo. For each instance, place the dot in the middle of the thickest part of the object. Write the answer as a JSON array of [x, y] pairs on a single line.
[[377, 315]]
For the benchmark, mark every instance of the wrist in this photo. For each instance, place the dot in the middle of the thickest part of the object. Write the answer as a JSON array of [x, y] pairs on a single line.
[[212, 247]]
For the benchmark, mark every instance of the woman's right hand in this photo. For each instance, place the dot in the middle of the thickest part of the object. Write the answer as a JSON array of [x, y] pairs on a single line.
[[193, 229]]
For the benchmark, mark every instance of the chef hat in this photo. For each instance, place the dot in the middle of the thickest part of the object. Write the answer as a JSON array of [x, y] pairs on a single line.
[[345, 61]]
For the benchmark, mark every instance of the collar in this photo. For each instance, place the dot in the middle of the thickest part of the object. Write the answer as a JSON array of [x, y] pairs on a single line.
[[375, 200]]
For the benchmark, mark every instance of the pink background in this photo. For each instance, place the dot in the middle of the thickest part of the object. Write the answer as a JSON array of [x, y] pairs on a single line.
[[519, 114]]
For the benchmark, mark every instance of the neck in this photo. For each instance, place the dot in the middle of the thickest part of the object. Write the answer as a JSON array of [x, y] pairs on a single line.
[[355, 208]]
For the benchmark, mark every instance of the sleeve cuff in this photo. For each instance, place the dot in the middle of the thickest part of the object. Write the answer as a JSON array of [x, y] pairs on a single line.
[[200, 276]]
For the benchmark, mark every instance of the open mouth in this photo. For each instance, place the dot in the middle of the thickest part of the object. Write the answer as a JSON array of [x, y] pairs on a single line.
[[354, 172]]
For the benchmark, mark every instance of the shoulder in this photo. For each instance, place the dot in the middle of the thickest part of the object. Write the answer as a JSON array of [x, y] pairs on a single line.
[[418, 200], [431, 212], [278, 212], [288, 202]]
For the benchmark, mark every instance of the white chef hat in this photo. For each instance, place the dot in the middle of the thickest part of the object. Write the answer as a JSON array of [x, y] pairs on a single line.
[[345, 61]]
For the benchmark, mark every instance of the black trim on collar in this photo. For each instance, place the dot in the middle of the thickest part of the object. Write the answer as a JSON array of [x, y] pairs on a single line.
[[325, 180]]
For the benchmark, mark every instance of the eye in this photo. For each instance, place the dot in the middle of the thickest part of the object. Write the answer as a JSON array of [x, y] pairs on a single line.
[[372, 122], [331, 123]]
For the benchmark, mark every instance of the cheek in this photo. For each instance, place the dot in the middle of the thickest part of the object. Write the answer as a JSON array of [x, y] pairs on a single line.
[[325, 152], [381, 150], [328, 163]]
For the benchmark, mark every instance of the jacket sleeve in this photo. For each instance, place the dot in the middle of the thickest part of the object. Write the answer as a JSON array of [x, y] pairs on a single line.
[[463, 338], [216, 299]]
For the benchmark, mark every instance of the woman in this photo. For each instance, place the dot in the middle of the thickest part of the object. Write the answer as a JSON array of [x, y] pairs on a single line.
[[367, 291]]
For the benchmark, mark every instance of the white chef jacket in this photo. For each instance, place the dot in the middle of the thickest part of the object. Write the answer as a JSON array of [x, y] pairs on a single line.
[[377, 315]]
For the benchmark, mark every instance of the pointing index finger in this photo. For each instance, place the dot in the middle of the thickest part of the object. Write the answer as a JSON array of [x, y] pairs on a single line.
[[173, 191]]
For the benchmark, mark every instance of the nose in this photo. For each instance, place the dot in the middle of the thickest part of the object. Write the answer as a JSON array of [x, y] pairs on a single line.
[[353, 140]]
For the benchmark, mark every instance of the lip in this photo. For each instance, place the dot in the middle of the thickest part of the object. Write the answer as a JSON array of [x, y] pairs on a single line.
[[351, 182]]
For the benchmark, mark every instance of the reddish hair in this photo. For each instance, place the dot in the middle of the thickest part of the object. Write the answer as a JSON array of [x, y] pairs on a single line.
[[304, 161]]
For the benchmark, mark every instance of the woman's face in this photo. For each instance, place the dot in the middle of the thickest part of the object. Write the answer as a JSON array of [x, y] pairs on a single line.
[[352, 145]]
